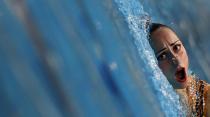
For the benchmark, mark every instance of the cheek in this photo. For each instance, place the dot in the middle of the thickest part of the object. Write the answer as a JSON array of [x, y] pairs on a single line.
[[164, 66], [184, 58], [186, 62]]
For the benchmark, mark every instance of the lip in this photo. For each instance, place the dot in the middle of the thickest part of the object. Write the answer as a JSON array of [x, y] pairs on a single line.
[[180, 74]]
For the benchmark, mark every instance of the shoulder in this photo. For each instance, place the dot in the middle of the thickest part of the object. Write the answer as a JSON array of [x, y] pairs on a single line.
[[208, 91], [204, 89], [208, 100], [208, 86]]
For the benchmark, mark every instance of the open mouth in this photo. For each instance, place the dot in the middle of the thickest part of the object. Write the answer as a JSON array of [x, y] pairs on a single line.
[[181, 74]]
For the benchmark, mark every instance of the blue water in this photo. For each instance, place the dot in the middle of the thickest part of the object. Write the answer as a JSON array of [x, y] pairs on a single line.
[[137, 18], [92, 58]]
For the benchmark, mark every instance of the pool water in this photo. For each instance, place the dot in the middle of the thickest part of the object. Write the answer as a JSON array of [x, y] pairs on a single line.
[[92, 58]]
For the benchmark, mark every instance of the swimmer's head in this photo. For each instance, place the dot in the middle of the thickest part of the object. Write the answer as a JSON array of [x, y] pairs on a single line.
[[170, 53]]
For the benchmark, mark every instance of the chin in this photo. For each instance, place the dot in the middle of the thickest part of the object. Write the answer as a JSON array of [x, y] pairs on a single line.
[[180, 85]]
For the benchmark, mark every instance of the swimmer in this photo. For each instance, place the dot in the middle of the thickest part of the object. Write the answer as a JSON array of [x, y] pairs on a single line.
[[173, 61]]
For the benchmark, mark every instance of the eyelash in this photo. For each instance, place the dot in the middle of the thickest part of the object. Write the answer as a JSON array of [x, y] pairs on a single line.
[[176, 49], [162, 56]]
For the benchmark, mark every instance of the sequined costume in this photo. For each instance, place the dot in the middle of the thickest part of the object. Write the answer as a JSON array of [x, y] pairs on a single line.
[[194, 97], [197, 95]]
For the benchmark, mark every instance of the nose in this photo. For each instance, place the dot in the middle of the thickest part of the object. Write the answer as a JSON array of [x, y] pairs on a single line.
[[174, 58], [174, 61]]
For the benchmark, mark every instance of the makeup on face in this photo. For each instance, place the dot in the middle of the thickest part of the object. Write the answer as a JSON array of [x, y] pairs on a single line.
[[171, 55]]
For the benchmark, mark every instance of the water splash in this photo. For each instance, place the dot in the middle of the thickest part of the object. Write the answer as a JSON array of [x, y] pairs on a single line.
[[137, 18]]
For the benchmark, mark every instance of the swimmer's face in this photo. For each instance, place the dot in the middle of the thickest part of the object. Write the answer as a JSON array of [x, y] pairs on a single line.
[[171, 55]]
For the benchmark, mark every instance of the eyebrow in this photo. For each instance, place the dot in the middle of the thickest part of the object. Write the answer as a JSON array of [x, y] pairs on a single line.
[[165, 48]]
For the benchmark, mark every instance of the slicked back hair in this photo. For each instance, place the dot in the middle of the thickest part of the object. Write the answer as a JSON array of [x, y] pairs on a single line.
[[154, 26]]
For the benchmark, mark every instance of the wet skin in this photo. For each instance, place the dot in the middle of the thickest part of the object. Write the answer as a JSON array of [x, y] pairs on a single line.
[[171, 55]]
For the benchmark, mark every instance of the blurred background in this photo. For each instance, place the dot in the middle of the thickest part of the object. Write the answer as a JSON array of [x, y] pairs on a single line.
[[91, 58]]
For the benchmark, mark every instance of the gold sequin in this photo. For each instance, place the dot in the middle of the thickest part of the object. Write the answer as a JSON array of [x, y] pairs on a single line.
[[197, 95]]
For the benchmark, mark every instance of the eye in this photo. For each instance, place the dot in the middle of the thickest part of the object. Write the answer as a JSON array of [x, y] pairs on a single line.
[[161, 56], [176, 48]]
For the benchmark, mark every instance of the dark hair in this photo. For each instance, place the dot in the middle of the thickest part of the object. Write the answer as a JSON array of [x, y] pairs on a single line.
[[154, 26]]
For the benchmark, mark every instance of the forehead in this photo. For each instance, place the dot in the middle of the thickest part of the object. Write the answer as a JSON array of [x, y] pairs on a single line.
[[162, 37]]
